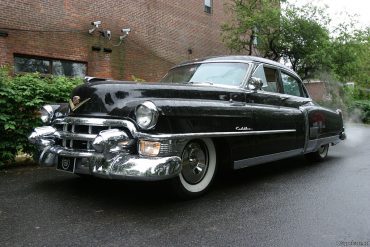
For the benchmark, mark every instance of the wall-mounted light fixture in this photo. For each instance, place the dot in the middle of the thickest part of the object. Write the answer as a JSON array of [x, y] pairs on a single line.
[[106, 34], [96, 25], [126, 32]]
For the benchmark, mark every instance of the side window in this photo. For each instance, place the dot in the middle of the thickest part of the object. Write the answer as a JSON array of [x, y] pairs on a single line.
[[269, 77], [49, 66], [291, 85]]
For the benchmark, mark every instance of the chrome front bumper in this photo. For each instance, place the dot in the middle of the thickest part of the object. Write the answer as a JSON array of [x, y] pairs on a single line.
[[110, 159], [120, 166]]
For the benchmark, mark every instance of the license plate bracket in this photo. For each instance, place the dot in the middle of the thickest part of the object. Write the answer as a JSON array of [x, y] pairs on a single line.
[[66, 164]]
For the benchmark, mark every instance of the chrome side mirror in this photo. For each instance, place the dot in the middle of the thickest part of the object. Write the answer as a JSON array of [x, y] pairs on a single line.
[[255, 83]]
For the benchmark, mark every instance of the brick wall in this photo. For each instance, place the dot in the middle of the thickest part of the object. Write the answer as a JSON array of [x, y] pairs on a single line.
[[316, 89], [3, 50], [162, 32]]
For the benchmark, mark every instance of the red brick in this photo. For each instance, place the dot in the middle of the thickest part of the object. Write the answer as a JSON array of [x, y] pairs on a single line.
[[162, 32]]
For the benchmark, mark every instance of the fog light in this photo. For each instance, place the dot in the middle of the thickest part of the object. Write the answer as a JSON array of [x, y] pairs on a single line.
[[149, 148]]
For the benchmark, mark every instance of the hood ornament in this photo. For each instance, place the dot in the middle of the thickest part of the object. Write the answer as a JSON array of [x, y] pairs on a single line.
[[75, 102]]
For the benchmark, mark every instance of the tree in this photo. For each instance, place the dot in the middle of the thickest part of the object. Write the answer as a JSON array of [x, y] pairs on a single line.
[[253, 20], [351, 61], [304, 39], [297, 34]]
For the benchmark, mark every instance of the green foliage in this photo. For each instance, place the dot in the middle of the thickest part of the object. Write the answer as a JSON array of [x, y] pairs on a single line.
[[304, 39], [301, 36], [253, 19], [362, 107], [297, 34], [357, 101], [20, 99], [350, 57]]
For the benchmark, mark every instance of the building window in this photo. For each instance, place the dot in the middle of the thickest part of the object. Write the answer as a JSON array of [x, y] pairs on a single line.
[[208, 4], [49, 66]]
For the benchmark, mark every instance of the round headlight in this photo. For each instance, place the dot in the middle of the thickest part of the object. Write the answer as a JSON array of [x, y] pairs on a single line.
[[47, 113], [146, 115]]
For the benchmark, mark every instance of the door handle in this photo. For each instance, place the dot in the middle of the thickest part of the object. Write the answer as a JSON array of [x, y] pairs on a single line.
[[282, 98]]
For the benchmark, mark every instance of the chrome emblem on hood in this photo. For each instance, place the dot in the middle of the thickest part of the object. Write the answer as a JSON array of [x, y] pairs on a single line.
[[75, 102]]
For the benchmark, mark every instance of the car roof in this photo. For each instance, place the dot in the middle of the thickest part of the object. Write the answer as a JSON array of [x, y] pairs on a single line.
[[240, 59]]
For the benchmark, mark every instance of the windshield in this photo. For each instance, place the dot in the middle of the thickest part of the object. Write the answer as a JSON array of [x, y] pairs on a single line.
[[229, 74]]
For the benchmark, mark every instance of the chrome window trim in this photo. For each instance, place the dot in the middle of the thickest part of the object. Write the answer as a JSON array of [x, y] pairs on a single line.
[[209, 134], [218, 61]]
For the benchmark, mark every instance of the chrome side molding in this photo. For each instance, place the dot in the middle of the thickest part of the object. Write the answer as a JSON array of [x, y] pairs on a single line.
[[210, 134]]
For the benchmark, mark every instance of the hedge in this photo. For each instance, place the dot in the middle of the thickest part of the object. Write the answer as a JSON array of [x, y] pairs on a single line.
[[21, 97], [362, 107]]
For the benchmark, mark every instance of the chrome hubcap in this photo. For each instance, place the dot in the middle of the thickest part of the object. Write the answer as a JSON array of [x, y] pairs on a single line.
[[194, 162]]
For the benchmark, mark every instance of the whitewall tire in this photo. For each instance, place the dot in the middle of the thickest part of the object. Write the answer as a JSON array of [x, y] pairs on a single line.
[[319, 155], [199, 161]]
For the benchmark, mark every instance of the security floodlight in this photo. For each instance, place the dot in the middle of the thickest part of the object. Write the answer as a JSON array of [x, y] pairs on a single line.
[[96, 25], [125, 32]]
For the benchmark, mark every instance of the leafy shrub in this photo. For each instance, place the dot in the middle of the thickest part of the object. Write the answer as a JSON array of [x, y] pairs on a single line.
[[21, 97], [357, 100], [362, 108]]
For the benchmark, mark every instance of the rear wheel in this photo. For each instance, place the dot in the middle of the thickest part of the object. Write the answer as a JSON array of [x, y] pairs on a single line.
[[319, 155], [198, 168]]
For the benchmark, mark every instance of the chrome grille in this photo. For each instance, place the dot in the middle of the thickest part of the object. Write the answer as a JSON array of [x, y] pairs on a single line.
[[79, 133]]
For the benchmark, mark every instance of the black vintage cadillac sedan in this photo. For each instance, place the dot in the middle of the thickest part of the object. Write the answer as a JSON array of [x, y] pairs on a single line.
[[235, 111]]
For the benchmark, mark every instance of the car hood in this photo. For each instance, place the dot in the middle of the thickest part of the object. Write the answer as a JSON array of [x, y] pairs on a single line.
[[119, 99]]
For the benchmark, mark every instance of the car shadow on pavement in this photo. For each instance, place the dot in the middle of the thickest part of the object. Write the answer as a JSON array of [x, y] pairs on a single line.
[[269, 170], [119, 195]]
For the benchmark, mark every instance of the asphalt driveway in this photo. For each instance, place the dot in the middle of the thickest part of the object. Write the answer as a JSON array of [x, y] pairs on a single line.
[[285, 203]]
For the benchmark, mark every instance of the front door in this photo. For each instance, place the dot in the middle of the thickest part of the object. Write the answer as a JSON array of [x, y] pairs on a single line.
[[277, 123]]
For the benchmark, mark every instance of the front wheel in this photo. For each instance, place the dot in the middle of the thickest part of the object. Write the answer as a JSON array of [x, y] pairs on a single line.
[[198, 168], [319, 155]]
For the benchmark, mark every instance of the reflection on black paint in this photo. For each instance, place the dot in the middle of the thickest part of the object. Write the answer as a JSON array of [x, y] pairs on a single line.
[[121, 94], [108, 99]]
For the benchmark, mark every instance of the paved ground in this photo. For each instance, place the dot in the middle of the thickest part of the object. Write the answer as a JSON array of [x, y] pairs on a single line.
[[286, 203]]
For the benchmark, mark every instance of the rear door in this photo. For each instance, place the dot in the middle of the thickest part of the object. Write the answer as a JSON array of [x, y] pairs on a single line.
[[295, 97]]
